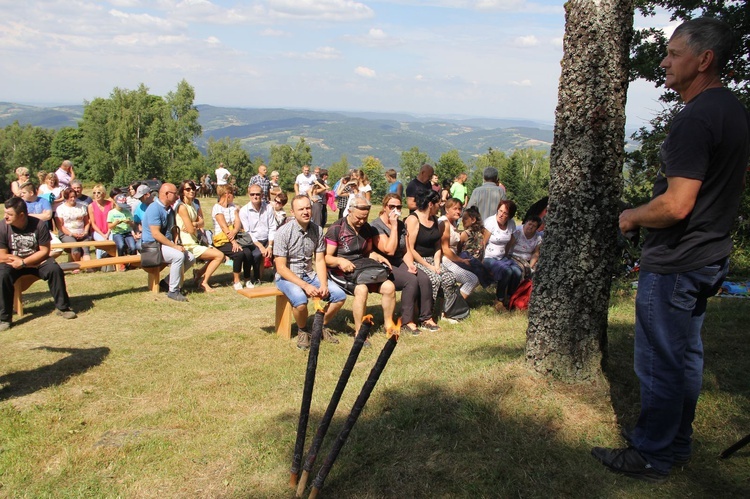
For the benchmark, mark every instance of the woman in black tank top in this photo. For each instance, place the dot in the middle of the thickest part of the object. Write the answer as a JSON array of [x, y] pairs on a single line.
[[423, 241]]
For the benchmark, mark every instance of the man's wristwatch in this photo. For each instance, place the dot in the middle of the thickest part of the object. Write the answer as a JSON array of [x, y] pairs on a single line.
[[23, 263]]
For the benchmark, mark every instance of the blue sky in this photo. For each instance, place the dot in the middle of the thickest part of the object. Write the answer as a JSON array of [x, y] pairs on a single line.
[[490, 58]]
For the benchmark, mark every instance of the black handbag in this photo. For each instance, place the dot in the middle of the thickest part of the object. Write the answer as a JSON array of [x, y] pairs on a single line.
[[455, 307], [151, 255], [366, 271]]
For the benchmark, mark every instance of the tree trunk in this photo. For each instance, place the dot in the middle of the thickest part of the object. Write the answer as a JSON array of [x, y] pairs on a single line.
[[567, 331]]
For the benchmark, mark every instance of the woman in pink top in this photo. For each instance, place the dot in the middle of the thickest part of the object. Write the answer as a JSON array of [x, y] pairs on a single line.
[[98, 211]]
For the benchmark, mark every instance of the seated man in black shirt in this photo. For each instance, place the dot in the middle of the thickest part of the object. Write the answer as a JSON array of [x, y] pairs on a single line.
[[24, 250]]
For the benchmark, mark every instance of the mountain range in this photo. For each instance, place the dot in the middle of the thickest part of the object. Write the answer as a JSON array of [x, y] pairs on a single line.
[[330, 134]]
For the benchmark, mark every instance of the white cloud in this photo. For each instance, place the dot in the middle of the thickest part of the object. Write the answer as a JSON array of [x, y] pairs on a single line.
[[212, 40], [330, 10], [526, 41], [521, 83], [376, 33], [321, 53], [364, 72], [273, 32]]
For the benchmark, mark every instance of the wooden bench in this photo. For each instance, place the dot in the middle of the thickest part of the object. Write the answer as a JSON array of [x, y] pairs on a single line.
[[85, 244], [283, 308], [24, 282]]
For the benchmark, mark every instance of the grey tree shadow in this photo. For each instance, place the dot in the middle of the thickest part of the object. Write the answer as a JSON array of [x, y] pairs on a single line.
[[80, 360]]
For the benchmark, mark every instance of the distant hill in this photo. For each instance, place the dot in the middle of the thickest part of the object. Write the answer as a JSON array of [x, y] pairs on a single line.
[[333, 134], [358, 135]]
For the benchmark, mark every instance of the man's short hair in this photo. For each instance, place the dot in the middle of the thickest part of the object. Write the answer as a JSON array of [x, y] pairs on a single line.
[[490, 174], [28, 186], [708, 33], [17, 204], [298, 197]]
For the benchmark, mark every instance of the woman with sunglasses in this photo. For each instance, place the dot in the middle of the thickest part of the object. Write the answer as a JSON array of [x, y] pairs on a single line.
[[227, 225], [22, 176], [190, 220], [415, 287], [98, 211]]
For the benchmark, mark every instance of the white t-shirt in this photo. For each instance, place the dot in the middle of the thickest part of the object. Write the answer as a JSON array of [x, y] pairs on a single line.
[[222, 175], [72, 216], [524, 248], [304, 182], [498, 237], [229, 213]]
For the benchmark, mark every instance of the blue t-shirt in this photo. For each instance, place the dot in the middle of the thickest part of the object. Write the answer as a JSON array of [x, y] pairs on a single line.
[[39, 206], [156, 214], [139, 213]]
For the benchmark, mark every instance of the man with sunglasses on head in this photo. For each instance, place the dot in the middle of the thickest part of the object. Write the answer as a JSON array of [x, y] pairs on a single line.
[[349, 239], [259, 221]]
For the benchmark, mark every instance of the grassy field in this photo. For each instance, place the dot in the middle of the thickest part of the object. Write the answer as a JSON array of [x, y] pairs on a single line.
[[145, 397]]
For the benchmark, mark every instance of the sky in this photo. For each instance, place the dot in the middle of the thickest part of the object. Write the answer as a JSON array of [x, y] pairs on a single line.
[[480, 58]]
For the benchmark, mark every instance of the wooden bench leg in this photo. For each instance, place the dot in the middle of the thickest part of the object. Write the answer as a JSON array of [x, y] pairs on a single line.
[[154, 274], [284, 317], [22, 284]]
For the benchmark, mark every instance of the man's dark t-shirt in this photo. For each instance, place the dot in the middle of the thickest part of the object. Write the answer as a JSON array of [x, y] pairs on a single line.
[[24, 242], [709, 140], [415, 187]]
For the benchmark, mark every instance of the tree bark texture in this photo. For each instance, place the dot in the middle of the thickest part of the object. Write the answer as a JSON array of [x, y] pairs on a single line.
[[567, 331]]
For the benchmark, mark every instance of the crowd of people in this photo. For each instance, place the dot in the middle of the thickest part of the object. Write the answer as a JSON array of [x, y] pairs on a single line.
[[424, 256]]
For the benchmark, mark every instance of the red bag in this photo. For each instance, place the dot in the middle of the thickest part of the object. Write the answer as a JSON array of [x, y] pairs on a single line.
[[519, 300]]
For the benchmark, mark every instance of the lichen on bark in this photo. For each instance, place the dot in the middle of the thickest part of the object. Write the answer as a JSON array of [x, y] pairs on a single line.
[[567, 330]]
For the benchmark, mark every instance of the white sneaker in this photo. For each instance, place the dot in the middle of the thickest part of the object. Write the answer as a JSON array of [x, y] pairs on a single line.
[[249, 285], [238, 286]]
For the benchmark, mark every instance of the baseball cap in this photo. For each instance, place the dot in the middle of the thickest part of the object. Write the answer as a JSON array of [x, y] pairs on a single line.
[[141, 191], [122, 201]]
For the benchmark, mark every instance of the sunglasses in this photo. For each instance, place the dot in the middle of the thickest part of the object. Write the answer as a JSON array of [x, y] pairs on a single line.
[[394, 207], [188, 189], [254, 194]]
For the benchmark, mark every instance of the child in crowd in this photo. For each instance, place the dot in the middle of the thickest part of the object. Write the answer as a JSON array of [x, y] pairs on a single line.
[[471, 246], [120, 223], [279, 201]]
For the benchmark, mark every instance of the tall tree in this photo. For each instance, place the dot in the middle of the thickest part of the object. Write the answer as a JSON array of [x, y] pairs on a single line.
[[184, 127], [23, 146], [567, 329], [375, 172], [450, 165], [231, 153]]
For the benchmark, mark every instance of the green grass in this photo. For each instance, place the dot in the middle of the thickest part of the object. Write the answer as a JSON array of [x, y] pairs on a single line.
[[144, 397]]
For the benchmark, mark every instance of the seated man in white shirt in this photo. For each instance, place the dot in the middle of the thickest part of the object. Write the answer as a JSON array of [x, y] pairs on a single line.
[[259, 220]]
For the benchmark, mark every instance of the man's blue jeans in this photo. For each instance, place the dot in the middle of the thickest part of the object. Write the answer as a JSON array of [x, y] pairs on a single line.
[[669, 311]]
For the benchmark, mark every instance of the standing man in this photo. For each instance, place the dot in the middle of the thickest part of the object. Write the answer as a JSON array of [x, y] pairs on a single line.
[[487, 196], [222, 175], [157, 225], [304, 181], [24, 250], [65, 174], [301, 270], [458, 189], [262, 180], [259, 220], [686, 251], [421, 183]]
